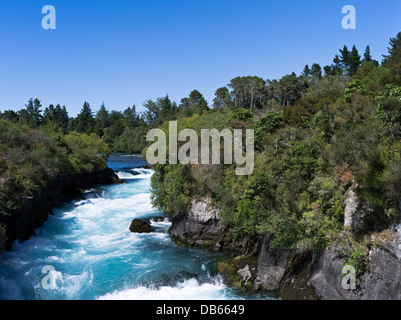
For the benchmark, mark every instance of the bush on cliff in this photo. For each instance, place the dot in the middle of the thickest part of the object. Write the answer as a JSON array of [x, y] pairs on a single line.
[[337, 130], [30, 158]]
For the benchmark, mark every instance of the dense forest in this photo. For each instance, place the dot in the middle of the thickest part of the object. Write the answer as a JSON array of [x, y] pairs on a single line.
[[316, 134]]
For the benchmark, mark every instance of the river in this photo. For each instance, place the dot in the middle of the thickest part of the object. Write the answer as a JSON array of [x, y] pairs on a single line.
[[93, 255]]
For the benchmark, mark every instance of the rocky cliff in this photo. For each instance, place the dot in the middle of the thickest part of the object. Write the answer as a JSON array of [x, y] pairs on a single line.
[[302, 276], [202, 228], [21, 224]]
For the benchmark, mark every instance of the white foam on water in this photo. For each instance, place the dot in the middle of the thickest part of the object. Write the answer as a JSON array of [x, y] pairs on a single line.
[[125, 175], [188, 290], [142, 173], [139, 174], [67, 286]]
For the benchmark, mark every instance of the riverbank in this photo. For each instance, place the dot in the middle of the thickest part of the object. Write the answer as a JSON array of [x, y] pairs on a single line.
[[308, 275], [20, 224], [96, 256]]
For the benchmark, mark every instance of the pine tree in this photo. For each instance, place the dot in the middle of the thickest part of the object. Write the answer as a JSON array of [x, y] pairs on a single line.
[[307, 72], [354, 61], [85, 121], [316, 71], [367, 56], [102, 117], [345, 58], [63, 118], [33, 116], [392, 61]]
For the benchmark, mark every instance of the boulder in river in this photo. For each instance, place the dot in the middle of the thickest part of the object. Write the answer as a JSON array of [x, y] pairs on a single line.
[[140, 226]]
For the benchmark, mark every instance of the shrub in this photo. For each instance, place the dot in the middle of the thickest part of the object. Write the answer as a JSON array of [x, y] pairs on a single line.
[[87, 152]]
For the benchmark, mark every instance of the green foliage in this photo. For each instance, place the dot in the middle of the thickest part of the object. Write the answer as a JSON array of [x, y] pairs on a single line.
[[172, 189], [392, 61], [388, 109], [289, 88], [131, 140], [357, 259], [30, 158], [327, 85], [266, 125], [84, 123], [222, 99], [242, 115], [88, 152]]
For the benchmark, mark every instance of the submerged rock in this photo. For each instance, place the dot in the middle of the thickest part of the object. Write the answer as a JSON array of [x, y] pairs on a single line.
[[140, 226]]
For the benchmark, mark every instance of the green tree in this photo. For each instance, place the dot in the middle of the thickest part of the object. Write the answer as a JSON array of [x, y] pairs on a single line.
[[367, 57], [85, 122], [355, 61], [316, 71], [10, 115], [88, 152], [222, 98], [132, 117], [248, 92], [289, 89], [32, 116], [392, 60], [103, 117], [388, 110], [306, 72], [195, 103]]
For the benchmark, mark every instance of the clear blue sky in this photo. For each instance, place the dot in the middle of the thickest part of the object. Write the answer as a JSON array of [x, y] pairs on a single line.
[[124, 52]]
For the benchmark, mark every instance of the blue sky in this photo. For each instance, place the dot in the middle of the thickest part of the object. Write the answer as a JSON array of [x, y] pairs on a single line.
[[124, 52]]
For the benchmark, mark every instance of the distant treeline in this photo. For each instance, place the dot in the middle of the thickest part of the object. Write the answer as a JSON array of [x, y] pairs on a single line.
[[124, 131]]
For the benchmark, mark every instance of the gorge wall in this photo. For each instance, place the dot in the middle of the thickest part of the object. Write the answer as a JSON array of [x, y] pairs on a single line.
[[20, 224], [303, 276]]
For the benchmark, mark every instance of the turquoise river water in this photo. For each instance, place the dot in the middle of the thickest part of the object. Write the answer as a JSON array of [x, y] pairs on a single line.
[[91, 254]]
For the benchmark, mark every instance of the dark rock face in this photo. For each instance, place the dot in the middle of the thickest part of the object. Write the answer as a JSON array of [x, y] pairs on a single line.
[[384, 281], [381, 282], [302, 276], [140, 226], [21, 224], [327, 278], [201, 227], [271, 266]]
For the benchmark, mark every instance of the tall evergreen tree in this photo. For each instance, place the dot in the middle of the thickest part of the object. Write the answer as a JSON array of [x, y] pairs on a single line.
[[306, 72], [85, 122], [392, 61], [33, 116], [367, 57], [316, 71], [131, 116], [345, 58], [354, 61], [102, 117]]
